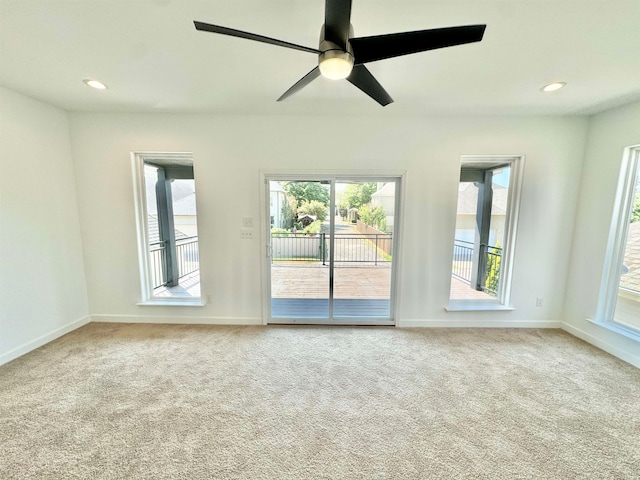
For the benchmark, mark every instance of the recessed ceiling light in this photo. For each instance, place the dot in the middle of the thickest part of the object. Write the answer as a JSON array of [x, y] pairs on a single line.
[[95, 84], [552, 87]]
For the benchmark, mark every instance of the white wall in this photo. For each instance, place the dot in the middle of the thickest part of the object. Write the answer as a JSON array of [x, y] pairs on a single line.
[[609, 133], [228, 155], [42, 286]]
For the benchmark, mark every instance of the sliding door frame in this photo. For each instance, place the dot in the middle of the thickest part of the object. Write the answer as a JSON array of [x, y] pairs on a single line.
[[332, 177]]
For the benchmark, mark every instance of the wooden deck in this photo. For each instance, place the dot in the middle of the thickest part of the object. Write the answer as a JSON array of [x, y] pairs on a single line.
[[311, 280], [302, 291], [188, 287]]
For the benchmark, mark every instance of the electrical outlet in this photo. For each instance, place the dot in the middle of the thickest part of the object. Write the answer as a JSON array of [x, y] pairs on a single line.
[[246, 234], [538, 301], [247, 222]]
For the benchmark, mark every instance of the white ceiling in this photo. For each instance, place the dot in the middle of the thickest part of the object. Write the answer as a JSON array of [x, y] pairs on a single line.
[[153, 60]]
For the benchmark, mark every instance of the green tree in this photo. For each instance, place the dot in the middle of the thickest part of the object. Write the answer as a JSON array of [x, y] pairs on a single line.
[[492, 280], [307, 192], [357, 194], [372, 216], [314, 207], [289, 212], [313, 228], [635, 213]]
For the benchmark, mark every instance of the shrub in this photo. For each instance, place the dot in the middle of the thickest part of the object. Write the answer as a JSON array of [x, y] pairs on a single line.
[[372, 216], [315, 208], [313, 228], [492, 280]]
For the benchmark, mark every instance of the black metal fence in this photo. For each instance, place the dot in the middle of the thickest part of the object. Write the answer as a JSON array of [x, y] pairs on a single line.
[[463, 265], [352, 248], [363, 248], [463, 258], [187, 256], [158, 264], [491, 279]]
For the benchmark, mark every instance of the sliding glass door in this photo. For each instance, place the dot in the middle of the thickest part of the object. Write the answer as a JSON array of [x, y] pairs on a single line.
[[331, 243]]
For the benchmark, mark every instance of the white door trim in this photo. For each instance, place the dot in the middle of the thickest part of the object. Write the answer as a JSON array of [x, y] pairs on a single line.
[[399, 176]]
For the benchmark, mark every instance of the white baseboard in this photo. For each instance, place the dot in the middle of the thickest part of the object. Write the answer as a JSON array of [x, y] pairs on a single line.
[[479, 323], [181, 320], [42, 340], [621, 353]]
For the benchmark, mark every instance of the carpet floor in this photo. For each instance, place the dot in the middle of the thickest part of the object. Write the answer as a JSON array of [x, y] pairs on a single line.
[[112, 401]]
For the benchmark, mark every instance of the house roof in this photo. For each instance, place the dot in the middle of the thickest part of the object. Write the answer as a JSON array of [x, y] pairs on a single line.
[[185, 206], [182, 193], [154, 233], [631, 279], [468, 199], [589, 44]]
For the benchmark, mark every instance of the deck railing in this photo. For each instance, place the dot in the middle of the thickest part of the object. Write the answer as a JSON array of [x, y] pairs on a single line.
[[187, 256], [463, 265], [352, 248], [158, 262], [463, 260]]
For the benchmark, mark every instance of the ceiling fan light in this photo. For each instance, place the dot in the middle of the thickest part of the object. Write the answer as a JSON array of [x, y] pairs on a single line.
[[98, 85], [552, 87], [335, 66]]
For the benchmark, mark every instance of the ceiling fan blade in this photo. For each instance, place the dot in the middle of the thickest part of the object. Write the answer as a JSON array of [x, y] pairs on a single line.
[[379, 47], [300, 84], [207, 27], [361, 77], [337, 21]]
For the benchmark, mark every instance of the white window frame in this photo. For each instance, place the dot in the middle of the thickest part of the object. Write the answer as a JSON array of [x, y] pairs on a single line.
[[147, 298], [609, 286], [503, 298]]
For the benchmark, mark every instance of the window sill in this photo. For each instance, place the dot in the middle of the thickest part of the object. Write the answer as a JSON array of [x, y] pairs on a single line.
[[617, 329], [182, 302], [478, 307]]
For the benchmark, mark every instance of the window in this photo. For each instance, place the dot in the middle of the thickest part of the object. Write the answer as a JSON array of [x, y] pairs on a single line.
[[619, 301], [486, 218], [167, 228]]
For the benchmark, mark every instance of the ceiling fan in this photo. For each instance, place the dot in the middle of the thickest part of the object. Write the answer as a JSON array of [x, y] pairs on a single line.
[[340, 55]]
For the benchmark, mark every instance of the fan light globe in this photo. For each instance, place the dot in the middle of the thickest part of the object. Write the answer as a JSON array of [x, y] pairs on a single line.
[[98, 85], [336, 68]]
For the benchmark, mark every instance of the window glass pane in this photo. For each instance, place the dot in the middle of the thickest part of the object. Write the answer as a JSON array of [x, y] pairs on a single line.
[[172, 230], [156, 249], [481, 219], [628, 302]]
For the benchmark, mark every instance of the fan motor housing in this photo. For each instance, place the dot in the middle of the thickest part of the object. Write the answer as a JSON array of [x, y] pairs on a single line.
[[334, 53]]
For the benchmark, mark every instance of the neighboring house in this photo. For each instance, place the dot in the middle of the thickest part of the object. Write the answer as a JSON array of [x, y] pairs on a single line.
[[305, 219], [184, 205], [277, 197], [466, 213], [184, 215], [385, 196], [154, 233]]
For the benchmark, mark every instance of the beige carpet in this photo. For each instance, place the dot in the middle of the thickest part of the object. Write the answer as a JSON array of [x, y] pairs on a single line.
[[199, 402]]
